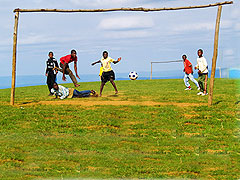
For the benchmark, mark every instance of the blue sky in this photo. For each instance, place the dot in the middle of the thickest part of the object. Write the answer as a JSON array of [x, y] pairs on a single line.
[[137, 37]]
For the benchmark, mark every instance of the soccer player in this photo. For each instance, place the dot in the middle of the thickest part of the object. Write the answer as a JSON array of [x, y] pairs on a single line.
[[108, 74], [64, 64], [50, 72], [63, 92], [202, 67], [188, 73]]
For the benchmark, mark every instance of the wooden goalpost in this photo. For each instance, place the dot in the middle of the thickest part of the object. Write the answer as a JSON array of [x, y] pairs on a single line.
[[214, 59]]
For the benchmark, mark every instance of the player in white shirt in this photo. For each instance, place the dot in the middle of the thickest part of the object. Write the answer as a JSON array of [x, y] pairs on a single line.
[[202, 67]]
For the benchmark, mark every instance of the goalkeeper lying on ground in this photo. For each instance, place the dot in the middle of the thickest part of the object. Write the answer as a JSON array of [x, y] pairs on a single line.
[[63, 92]]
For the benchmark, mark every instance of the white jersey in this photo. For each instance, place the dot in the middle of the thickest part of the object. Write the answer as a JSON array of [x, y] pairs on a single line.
[[202, 64]]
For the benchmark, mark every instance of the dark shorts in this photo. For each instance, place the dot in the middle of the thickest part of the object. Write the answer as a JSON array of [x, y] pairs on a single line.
[[106, 76]]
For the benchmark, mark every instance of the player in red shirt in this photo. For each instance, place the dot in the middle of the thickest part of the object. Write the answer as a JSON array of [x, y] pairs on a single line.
[[64, 61], [188, 73]]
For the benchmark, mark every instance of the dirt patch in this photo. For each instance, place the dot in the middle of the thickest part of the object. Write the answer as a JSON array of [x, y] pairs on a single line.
[[100, 127], [178, 173], [112, 103], [211, 151], [190, 116], [191, 134]]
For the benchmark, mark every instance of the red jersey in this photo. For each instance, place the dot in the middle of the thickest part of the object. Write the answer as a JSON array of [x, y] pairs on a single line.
[[68, 59], [187, 66]]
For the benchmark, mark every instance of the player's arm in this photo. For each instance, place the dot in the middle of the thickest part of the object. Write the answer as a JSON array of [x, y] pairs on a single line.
[[190, 65], [95, 62], [64, 66], [75, 68], [117, 61], [56, 64], [46, 72], [197, 66]]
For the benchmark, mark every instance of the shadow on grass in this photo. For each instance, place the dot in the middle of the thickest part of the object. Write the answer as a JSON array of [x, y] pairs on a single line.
[[115, 95], [218, 102], [29, 102]]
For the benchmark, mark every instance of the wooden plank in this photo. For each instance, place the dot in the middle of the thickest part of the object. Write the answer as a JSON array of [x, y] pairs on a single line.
[[14, 58], [123, 9], [215, 53]]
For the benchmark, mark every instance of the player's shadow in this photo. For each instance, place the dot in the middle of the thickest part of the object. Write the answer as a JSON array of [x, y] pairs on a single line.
[[29, 102], [115, 95], [217, 102]]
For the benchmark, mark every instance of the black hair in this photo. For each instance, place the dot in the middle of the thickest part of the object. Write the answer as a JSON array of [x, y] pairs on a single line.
[[50, 53], [184, 55], [104, 52], [200, 50], [73, 51]]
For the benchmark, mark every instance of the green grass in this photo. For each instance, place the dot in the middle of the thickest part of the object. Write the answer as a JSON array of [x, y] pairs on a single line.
[[154, 142]]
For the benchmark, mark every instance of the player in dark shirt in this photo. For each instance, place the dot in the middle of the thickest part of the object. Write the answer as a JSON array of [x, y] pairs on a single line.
[[50, 72]]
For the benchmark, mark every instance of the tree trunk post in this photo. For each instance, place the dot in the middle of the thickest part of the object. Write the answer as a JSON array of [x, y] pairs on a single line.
[[14, 58], [215, 53]]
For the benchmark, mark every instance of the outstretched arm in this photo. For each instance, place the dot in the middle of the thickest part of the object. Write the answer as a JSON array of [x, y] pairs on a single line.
[[96, 62], [118, 60]]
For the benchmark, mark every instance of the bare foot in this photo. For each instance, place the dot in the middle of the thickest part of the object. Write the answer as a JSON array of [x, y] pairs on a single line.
[[100, 95], [76, 85], [116, 92]]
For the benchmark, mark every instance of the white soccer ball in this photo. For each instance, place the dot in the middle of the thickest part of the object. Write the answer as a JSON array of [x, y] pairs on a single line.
[[133, 75]]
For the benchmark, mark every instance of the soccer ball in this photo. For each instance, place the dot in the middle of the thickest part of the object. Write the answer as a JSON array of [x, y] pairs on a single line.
[[133, 75]]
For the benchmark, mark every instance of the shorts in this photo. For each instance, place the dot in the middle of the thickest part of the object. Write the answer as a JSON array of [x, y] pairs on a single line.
[[106, 76]]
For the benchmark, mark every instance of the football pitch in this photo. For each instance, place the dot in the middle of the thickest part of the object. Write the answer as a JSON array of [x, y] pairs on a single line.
[[152, 129]]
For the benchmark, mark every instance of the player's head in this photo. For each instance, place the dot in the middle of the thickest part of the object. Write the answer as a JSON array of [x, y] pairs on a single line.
[[73, 53], [184, 57], [200, 52], [55, 86], [50, 54], [105, 54]]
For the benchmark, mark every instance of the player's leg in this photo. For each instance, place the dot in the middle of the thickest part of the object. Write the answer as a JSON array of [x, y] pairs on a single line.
[[200, 82], [114, 85], [205, 83], [101, 88], [193, 80], [50, 81], [73, 78], [49, 84], [186, 82], [111, 79], [80, 94]]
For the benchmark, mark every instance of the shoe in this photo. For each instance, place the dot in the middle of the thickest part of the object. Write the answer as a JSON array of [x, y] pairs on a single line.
[[200, 93], [188, 89], [204, 94]]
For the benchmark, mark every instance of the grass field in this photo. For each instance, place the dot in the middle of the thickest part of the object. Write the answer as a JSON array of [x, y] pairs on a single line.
[[153, 129]]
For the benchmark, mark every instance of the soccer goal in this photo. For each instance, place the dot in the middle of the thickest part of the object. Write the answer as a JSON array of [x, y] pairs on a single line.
[[214, 59]]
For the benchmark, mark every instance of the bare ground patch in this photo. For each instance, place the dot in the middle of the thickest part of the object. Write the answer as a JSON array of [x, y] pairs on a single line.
[[111, 103]]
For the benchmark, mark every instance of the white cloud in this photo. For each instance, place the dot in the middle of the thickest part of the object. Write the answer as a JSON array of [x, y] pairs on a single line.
[[128, 34], [194, 27], [237, 26], [228, 52], [126, 23], [226, 24]]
